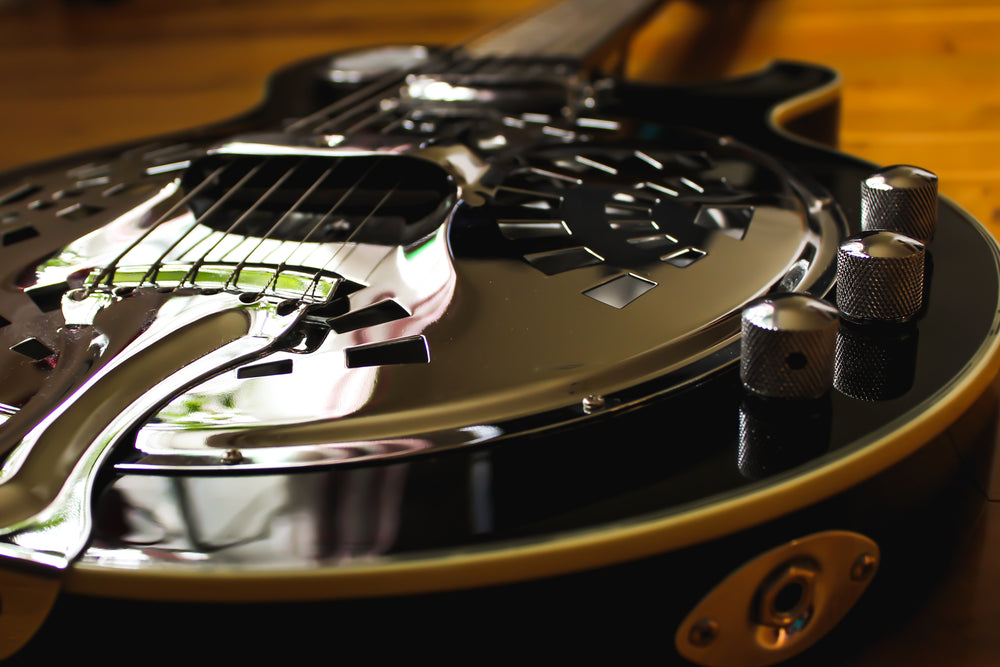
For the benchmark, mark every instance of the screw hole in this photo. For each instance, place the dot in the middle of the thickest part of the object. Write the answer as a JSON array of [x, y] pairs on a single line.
[[286, 307], [796, 361]]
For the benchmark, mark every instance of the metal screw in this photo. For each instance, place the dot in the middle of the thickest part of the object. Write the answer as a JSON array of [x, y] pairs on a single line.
[[864, 567], [232, 456], [704, 632], [593, 403]]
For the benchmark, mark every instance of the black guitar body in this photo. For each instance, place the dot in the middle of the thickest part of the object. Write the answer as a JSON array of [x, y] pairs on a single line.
[[596, 529]]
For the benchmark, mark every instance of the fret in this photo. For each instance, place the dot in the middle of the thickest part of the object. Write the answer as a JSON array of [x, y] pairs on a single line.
[[575, 30]]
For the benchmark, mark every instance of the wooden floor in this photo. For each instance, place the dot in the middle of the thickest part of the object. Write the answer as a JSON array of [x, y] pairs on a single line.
[[921, 86], [921, 77]]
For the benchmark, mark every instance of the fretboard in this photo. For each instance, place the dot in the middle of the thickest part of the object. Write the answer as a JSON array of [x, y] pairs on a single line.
[[572, 29]]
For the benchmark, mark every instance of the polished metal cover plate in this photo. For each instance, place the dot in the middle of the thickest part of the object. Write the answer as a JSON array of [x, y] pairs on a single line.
[[538, 261]]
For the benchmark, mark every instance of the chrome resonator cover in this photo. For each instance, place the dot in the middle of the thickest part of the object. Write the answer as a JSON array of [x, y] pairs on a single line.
[[590, 266], [530, 271]]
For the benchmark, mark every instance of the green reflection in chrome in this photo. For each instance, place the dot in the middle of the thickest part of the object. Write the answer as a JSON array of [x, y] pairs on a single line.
[[287, 284]]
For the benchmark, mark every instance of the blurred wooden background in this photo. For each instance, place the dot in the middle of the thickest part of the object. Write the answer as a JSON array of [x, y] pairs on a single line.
[[921, 77], [921, 86]]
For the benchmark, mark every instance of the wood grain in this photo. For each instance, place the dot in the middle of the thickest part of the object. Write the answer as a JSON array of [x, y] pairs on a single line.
[[921, 77]]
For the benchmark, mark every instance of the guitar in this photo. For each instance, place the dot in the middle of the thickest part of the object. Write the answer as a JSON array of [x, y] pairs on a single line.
[[413, 244]]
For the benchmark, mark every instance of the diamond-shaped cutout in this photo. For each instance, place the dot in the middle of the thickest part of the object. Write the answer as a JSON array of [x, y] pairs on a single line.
[[19, 193], [559, 261], [684, 257], [33, 349], [18, 235], [621, 291], [733, 221]]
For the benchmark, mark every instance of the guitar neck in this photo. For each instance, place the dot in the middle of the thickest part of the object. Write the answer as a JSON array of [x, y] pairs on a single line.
[[577, 30]]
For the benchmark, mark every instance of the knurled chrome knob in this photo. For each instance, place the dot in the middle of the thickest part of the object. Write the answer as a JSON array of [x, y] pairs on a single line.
[[875, 363], [787, 347], [776, 436], [880, 277], [900, 199]]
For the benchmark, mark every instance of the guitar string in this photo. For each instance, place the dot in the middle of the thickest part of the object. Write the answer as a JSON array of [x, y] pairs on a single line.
[[193, 271], [352, 233], [442, 63], [389, 127], [108, 271], [206, 233], [246, 216], [278, 223], [465, 66], [380, 87], [454, 58], [332, 123], [368, 120], [374, 90], [469, 67], [198, 220], [374, 94], [326, 267], [322, 221], [267, 258], [366, 97]]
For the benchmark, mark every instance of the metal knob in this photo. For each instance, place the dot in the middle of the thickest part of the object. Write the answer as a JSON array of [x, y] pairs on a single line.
[[875, 363], [776, 436], [880, 277], [900, 199], [788, 345]]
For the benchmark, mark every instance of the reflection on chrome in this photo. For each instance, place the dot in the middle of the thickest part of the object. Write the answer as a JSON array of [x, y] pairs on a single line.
[[420, 279], [500, 304]]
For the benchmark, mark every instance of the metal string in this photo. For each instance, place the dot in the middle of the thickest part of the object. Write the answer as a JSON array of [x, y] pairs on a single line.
[[354, 232], [345, 109], [108, 271], [366, 97], [280, 221], [319, 224], [369, 94], [193, 271], [155, 267]]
